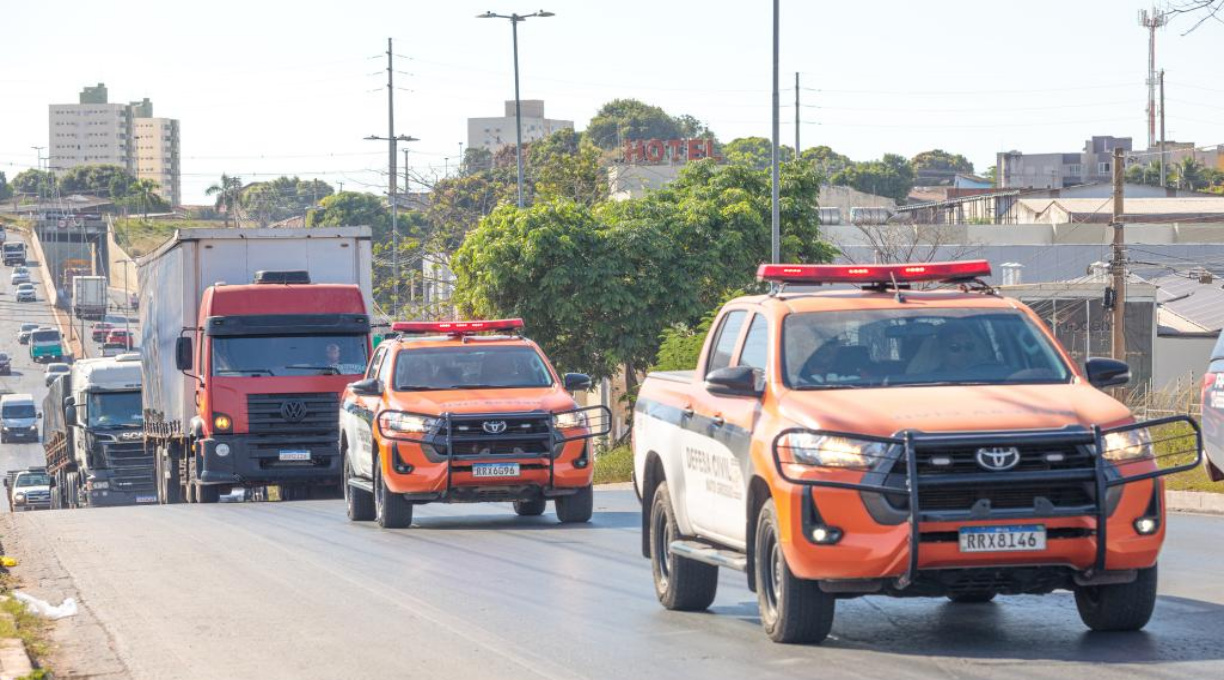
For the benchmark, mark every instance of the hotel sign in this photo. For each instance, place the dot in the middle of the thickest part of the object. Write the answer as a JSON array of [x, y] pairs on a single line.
[[659, 151]]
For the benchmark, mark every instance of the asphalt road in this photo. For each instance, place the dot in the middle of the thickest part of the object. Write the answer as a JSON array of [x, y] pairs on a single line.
[[293, 590]]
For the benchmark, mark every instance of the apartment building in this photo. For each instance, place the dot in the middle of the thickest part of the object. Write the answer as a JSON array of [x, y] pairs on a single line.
[[494, 133], [1094, 164]]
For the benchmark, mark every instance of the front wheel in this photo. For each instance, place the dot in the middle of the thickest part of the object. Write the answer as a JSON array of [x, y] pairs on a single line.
[[793, 610], [391, 510], [359, 502], [576, 508], [1120, 607], [680, 584]]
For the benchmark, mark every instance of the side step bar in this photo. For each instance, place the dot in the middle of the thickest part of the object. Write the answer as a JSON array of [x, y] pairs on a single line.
[[363, 484], [704, 552]]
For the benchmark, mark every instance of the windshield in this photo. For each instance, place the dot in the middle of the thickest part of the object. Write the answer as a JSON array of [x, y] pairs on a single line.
[[28, 326], [446, 368], [18, 411], [114, 409], [45, 336], [33, 479], [883, 348], [289, 355]]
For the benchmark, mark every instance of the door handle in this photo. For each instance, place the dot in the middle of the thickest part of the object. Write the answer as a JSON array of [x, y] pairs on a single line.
[[719, 420], [687, 412]]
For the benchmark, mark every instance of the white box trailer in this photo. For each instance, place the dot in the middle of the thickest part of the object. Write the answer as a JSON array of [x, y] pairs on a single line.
[[89, 297]]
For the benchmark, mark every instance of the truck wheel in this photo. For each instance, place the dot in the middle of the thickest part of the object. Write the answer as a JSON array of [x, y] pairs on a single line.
[[170, 491], [359, 502], [681, 584], [390, 509], [531, 508], [1121, 607], [972, 597], [576, 508], [207, 493], [793, 610]]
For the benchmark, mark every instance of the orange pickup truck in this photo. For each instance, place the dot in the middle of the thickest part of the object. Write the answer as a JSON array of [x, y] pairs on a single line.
[[884, 438], [446, 414]]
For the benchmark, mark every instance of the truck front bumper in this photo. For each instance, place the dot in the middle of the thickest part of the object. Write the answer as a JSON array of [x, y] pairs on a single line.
[[105, 498], [257, 460]]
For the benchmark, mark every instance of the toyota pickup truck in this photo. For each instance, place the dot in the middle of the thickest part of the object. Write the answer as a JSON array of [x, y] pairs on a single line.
[[445, 414], [895, 437]]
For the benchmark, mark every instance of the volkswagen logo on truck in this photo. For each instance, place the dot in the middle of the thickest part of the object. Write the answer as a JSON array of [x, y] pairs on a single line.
[[293, 411], [493, 426], [999, 458]]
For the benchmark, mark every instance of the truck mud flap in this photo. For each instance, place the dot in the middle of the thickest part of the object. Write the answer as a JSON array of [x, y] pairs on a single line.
[[1117, 456]]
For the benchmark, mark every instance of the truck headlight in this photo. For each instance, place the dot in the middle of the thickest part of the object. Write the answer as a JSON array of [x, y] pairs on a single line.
[[1128, 445], [19, 497], [100, 485], [566, 421], [222, 422], [809, 448], [397, 423]]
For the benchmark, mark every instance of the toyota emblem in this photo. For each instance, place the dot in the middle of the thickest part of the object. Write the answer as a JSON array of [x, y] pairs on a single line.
[[493, 426], [998, 458], [293, 411]]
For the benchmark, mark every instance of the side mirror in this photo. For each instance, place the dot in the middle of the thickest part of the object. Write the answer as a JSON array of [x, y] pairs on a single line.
[[1107, 372], [40, 415], [70, 412], [371, 387], [734, 381], [182, 353], [577, 382]]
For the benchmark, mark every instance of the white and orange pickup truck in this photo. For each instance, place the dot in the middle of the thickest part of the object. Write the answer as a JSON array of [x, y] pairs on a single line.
[[880, 438]]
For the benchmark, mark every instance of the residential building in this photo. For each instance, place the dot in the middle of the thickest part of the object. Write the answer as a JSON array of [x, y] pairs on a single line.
[[494, 133], [1211, 156], [1018, 170], [95, 131]]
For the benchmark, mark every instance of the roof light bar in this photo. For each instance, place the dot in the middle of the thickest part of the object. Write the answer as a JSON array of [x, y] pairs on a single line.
[[456, 327], [874, 273]]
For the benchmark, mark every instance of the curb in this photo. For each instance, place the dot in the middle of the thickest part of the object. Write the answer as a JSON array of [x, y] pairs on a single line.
[[14, 660], [1194, 501]]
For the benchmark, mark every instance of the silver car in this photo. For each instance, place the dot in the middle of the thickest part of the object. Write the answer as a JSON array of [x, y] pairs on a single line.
[[19, 276], [25, 293]]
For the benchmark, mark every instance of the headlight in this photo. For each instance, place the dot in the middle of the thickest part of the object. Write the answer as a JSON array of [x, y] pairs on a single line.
[[396, 423], [222, 422], [100, 485], [810, 448], [1128, 445], [19, 497], [566, 421]]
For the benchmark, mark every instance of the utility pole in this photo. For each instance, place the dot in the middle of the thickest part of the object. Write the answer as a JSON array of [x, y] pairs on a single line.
[[796, 115], [1118, 265], [407, 180], [1162, 131], [776, 214]]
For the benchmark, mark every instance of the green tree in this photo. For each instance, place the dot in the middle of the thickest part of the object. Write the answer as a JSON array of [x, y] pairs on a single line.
[[755, 152], [565, 166], [827, 161], [282, 198], [145, 191], [104, 181], [6, 191], [1148, 174], [1192, 174], [992, 174], [459, 203], [229, 193], [31, 182], [622, 119], [941, 166], [476, 159], [354, 209], [891, 176]]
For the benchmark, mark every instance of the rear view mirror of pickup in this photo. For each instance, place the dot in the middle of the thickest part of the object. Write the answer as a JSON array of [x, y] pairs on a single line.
[[734, 381]]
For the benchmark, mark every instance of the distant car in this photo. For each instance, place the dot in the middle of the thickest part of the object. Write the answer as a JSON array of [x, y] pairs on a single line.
[[117, 342], [100, 330], [19, 277], [25, 293], [54, 371], [23, 335], [6, 364]]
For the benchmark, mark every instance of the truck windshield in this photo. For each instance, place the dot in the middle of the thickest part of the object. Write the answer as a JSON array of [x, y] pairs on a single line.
[[32, 479], [883, 348], [292, 355], [453, 368], [115, 409], [18, 411], [45, 336]]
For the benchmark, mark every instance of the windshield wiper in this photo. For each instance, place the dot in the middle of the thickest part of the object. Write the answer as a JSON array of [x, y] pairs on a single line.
[[833, 387], [244, 371], [414, 388], [327, 370]]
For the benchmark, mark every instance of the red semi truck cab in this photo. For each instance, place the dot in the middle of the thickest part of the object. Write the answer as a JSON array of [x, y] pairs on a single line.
[[270, 360]]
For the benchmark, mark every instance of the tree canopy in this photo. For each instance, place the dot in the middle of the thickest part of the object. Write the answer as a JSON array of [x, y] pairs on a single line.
[[282, 198], [755, 152], [826, 160], [940, 162], [622, 119], [891, 176], [6, 191]]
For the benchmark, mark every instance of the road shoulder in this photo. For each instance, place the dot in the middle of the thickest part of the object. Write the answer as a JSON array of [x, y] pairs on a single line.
[[1194, 501]]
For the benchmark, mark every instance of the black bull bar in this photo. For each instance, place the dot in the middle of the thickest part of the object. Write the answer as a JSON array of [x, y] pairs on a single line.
[[1103, 473]]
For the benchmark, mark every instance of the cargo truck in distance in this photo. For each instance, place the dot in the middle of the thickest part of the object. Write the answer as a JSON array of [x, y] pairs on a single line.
[[89, 297], [93, 436], [248, 337], [14, 253], [893, 441]]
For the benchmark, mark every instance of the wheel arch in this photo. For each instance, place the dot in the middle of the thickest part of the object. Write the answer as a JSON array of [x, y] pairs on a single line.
[[652, 476], [758, 493]]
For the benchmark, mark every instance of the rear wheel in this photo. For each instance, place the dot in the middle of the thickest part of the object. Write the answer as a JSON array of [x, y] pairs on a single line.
[[390, 509], [531, 508], [793, 610], [681, 584], [576, 508], [360, 503], [1121, 607], [169, 488], [207, 493]]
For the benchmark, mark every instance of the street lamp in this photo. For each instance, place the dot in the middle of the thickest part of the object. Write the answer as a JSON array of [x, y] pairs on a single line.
[[518, 112], [394, 220]]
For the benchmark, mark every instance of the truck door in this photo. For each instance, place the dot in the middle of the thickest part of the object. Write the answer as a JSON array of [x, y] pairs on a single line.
[[359, 413], [731, 421]]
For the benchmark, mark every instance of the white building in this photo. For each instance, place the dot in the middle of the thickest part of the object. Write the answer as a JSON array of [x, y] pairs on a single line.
[[494, 133], [95, 131]]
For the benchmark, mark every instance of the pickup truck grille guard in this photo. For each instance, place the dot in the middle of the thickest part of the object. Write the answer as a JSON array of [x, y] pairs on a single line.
[[539, 426], [1104, 474]]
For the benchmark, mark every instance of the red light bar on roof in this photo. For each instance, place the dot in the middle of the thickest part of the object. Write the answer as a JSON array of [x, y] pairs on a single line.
[[873, 273], [456, 327]]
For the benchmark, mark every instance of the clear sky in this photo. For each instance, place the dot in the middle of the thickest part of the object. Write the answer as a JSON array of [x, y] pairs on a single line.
[[269, 88]]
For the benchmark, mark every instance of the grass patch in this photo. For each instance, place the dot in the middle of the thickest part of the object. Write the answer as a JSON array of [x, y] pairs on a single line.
[[140, 237], [1169, 453], [614, 465], [26, 625]]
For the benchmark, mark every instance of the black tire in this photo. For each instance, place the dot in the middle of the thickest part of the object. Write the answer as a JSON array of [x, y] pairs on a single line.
[[1121, 607], [793, 610], [680, 584], [391, 510], [531, 508], [576, 508], [169, 487], [207, 493], [972, 597], [359, 502]]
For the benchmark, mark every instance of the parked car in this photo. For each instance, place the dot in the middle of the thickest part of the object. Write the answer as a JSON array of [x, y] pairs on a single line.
[[19, 276], [118, 337], [23, 335], [25, 293], [6, 364], [100, 330], [54, 371]]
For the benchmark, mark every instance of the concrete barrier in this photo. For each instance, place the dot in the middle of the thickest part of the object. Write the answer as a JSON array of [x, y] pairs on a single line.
[[73, 340]]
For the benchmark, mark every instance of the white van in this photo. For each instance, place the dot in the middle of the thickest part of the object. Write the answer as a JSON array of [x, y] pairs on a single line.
[[18, 418]]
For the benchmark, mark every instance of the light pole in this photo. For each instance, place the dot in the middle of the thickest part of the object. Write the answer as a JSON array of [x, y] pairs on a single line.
[[394, 222], [518, 112]]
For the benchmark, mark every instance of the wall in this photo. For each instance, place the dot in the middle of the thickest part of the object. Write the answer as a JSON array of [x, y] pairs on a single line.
[[115, 264], [1180, 360]]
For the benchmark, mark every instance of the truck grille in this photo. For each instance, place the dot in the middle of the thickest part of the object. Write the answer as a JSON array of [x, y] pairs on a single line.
[[315, 413], [521, 435], [131, 468]]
